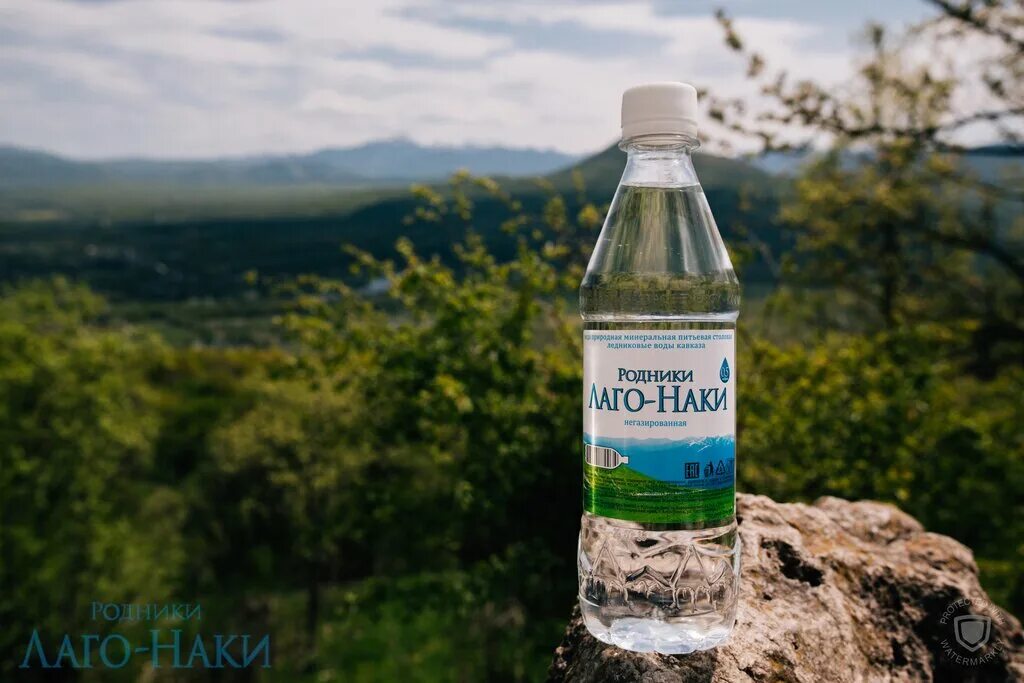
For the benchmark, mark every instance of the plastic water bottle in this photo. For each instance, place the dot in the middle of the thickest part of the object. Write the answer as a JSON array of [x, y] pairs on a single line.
[[659, 554]]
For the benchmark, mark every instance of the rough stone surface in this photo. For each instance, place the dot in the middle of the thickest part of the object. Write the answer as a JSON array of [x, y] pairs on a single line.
[[835, 591]]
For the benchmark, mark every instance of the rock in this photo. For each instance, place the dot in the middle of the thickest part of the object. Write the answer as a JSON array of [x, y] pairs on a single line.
[[835, 591]]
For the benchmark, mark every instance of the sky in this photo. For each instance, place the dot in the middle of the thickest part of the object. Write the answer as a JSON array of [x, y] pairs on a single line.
[[207, 78]]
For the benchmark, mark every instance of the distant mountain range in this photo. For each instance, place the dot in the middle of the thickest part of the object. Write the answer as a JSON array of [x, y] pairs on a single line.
[[989, 161], [180, 230], [374, 164], [370, 164], [402, 158], [173, 242]]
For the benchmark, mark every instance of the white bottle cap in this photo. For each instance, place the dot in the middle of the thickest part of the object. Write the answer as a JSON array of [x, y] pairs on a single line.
[[659, 109]]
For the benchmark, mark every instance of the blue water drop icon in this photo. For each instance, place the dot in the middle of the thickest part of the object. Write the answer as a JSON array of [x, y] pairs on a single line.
[[724, 372]]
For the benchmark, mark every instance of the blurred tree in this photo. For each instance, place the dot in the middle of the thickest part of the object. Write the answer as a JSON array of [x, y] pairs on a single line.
[[887, 417], [82, 519], [425, 429], [293, 455], [899, 218]]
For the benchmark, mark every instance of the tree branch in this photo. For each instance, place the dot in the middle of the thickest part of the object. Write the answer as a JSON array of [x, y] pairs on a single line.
[[967, 15]]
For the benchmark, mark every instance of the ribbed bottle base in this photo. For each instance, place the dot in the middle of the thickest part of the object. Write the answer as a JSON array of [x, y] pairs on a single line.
[[651, 590]]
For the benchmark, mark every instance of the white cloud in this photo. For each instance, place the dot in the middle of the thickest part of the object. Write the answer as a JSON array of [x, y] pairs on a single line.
[[214, 77]]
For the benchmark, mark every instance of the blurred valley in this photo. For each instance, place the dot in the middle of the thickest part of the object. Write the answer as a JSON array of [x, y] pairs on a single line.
[[172, 242]]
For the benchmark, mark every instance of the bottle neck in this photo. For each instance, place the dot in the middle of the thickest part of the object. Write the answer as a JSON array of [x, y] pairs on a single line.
[[660, 161]]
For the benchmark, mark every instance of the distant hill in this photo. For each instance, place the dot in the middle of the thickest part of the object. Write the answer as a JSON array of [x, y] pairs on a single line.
[[146, 243], [997, 163], [990, 162], [371, 164], [22, 168], [160, 233], [401, 158], [30, 168], [601, 172]]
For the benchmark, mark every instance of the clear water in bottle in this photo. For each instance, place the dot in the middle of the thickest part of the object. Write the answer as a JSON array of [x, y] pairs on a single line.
[[658, 550]]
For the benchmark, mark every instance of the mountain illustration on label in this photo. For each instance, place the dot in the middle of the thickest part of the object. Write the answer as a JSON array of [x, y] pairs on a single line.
[[724, 372]]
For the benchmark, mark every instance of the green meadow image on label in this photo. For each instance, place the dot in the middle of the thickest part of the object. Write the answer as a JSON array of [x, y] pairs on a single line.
[[623, 493], [688, 481]]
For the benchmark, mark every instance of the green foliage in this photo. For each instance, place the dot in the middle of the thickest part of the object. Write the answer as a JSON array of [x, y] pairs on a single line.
[[462, 394], [81, 519], [904, 242], [436, 627], [887, 417]]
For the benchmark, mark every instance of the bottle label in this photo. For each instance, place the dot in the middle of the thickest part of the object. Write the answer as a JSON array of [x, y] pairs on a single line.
[[659, 425]]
